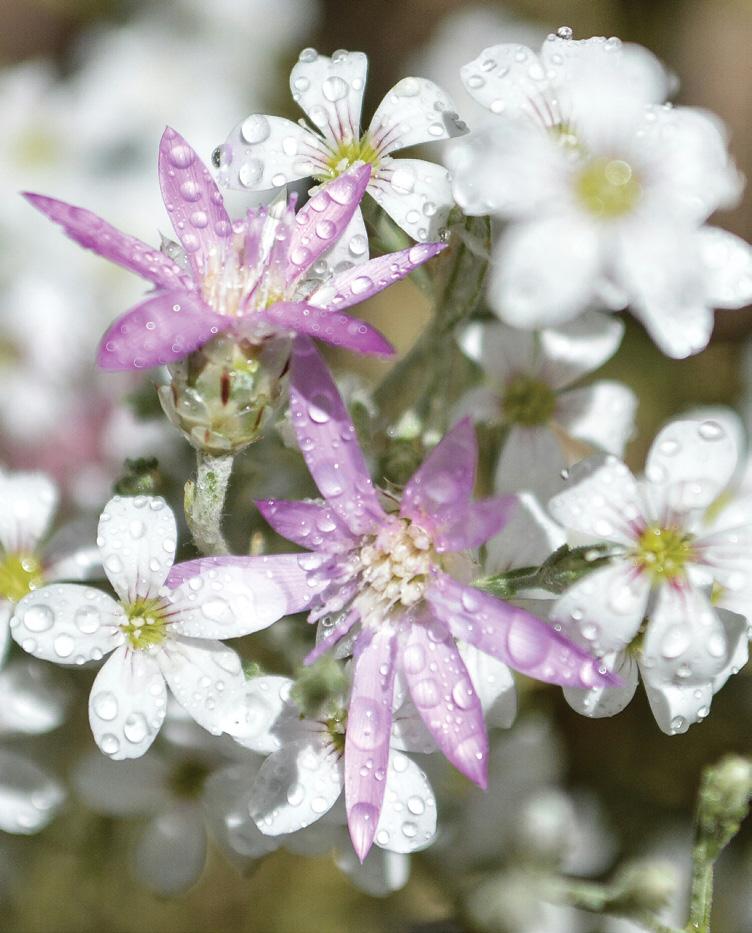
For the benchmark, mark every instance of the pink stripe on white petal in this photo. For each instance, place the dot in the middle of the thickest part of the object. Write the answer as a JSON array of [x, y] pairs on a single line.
[[161, 330], [369, 727], [92, 232], [193, 202], [332, 327], [309, 524]]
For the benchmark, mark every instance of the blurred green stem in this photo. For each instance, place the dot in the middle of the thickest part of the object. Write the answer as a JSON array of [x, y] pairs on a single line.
[[557, 573], [204, 502]]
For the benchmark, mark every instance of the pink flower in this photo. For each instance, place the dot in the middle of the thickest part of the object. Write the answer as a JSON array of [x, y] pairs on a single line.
[[386, 572], [254, 277]]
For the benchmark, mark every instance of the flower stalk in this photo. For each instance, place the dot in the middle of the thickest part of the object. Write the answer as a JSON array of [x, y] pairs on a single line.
[[204, 502]]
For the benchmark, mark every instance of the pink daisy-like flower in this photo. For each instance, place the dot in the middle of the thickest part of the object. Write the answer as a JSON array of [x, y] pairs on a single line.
[[256, 278], [386, 571]]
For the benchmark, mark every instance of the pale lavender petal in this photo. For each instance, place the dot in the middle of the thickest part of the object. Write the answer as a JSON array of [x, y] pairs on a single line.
[[288, 571], [518, 638], [333, 637], [444, 482], [94, 233], [444, 695], [309, 524], [329, 443], [369, 725], [323, 220], [333, 327], [193, 201], [362, 281], [164, 328], [470, 526]]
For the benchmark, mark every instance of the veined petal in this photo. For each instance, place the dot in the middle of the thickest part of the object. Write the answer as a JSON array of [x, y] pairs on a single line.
[[127, 704], [331, 326], [68, 624], [310, 524], [408, 815], [226, 602], [29, 797], [445, 697], [330, 91], [472, 524], [369, 726], [266, 152], [27, 504], [354, 285], [324, 219], [604, 610], [295, 786], [521, 640], [193, 202], [600, 702], [172, 851], [162, 329], [137, 537], [494, 684], [329, 443], [578, 347], [416, 194], [601, 414], [94, 233], [415, 111], [289, 571], [203, 675], [727, 261]]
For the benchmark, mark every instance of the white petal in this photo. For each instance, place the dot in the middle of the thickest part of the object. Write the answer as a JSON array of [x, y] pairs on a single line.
[[409, 732], [34, 698], [203, 675], [600, 502], [330, 91], [601, 702], [82, 564], [531, 460], [226, 801], [544, 271], [416, 194], [676, 708], [579, 347], [171, 854], [127, 704], [68, 623], [527, 539], [407, 822], [225, 602], [604, 610], [382, 873], [415, 111], [123, 788], [501, 351], [737, 632], [351, 249], [508, 79], [29, 797], [295, 786], [6, 612], [692, 462], [137, 537], [727, 261], [601, 414], [266, 152], [27, 504], [261, 714], [494, 684]]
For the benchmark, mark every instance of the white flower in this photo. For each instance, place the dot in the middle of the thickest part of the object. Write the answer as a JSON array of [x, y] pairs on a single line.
[[667, 561], [29, 796], [266, 152], [528, 390], [34, 698], [157, 635], [606, 189]]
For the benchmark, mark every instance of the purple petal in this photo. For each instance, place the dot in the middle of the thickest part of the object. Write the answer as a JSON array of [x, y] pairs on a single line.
[[289, 571], [443, 694], [193, 201], [362, 281], [341, 330], [322, 221], [518, 638], [94, 233], [442, 486], [469, 526], [327, 438], [309, 524], [369, 726], [330, 641], [164, 328]]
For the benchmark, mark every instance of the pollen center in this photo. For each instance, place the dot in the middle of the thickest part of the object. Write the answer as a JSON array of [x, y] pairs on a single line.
[[663, 553], [146, 625], [347, 153], [528, 401], [607, 188], [395, 565], [19, 575]]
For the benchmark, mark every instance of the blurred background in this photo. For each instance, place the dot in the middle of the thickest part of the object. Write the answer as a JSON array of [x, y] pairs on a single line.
[[86, 88]]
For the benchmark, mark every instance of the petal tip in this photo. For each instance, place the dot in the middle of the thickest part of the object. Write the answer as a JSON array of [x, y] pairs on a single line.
[[361, 821]]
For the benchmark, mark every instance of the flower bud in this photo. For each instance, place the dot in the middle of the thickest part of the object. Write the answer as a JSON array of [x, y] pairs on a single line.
[[647, 885]]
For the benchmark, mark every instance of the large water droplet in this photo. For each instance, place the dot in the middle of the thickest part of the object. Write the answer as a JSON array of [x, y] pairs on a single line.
[[38, 618], [255, 129], [105, 705]]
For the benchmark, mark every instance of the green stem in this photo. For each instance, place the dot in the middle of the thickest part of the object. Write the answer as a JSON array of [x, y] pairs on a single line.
[[205, 500], [701, 900]]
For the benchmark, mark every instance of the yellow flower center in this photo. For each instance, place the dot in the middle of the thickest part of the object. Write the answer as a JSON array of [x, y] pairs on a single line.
[[19, 575], [607, 188], [347, 153], [395, 565], [528, 401], [146, 624], [663, 553]]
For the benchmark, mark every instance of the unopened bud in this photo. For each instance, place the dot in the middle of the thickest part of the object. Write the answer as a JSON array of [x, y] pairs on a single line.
[[647, 885], [723, 801]]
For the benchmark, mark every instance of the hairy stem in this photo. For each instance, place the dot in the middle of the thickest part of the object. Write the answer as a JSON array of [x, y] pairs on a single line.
[[205, 500], [701, 900]]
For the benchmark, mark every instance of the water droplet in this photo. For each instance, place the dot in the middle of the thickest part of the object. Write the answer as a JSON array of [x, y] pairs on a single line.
[[416, 805], [109, 744], [335, 88], [250, 172], [64, 645], [295, 794], [675, 642], [181, 155], [426, 693], [319, 805], [711, 431], [255, 129], [38, 618], [113, 564], [87, 620], [105, 705], [135, 728]]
